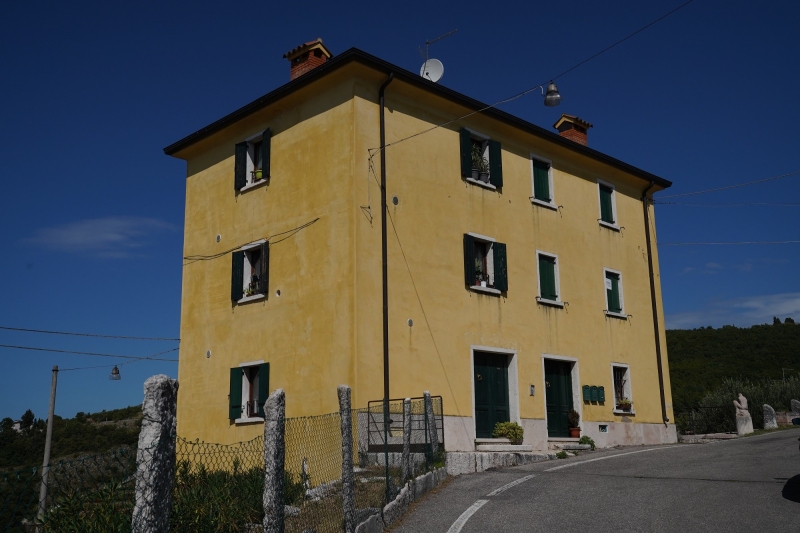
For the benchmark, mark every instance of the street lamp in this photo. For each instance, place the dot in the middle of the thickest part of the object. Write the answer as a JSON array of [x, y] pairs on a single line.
[[115, 374], [552, 98]]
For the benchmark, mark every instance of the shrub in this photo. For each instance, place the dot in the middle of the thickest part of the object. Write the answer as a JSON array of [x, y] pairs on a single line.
[[509, 430], [586, 439], [562, 454]]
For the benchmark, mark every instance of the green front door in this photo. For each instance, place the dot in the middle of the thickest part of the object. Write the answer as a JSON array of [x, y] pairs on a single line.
[[558, 387], [491, 392]]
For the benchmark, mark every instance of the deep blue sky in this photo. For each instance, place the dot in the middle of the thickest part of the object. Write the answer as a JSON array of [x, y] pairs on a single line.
[[92, 210]]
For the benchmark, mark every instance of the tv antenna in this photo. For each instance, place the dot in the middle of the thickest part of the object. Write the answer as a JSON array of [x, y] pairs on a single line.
[[433, 69]]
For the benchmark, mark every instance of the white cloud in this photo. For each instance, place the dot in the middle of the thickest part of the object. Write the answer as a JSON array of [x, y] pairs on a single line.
[[110, 237], [713, 265], [743, 312]]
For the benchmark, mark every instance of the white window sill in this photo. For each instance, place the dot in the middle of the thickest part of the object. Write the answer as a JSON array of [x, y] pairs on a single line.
[[549, 205], [251, 298], [251, 420], [624, 413], [487, 290], [552, 303], [481, 184], [621, 316], [609, 225], [254, 185]]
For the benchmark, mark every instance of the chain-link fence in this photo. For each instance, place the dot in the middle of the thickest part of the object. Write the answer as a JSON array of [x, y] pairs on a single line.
[[220, 488]]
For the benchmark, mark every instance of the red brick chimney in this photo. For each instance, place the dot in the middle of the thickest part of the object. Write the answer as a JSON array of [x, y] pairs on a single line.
[[307, 57], [573, 128]]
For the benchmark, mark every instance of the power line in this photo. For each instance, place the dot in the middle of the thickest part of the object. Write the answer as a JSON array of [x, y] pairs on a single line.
[[715, 243], [372, 151], [150, 357], [728, 204], [8, 328], [731, 186]]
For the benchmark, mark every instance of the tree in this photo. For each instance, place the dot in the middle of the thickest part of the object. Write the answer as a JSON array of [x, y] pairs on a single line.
[[27, 419], [6, 424], [789, 320], [776, 321]]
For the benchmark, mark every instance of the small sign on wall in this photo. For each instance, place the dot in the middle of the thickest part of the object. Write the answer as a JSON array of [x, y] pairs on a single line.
[[608, 284]]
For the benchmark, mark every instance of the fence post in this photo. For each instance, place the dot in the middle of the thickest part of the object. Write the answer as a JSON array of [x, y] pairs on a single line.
[[406, 461], [155, 456], [348, 484], [274, 457], [431, 421]]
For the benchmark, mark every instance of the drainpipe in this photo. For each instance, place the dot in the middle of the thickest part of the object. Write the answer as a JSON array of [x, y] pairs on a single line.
[[384, 245], [645, 205]]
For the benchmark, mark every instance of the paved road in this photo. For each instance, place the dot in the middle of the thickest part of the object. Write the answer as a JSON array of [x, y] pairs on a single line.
[[750, 484]]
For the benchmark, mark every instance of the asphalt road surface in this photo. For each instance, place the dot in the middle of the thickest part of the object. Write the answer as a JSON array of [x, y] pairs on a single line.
[[749, 484]]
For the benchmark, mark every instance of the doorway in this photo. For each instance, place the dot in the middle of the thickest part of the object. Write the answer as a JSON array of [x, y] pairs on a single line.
[[490, 375], [558, 391]]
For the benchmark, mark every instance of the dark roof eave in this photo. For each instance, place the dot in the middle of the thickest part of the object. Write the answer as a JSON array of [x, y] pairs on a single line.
[[354, 54]]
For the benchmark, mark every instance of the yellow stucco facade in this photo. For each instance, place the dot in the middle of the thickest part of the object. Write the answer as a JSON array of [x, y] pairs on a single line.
[[320, 323]]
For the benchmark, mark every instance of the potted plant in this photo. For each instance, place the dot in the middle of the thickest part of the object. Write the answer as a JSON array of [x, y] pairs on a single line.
[[573, 419], [477, 160], [624, 404], [257, 174], [480, 279], [508, 430], [483, 170]]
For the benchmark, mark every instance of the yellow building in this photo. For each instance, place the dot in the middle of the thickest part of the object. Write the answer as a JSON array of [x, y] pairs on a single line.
[[517, 291]]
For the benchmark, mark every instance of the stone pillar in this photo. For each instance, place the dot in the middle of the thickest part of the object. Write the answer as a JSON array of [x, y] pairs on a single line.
[[770, 422], [432, 435], [155, 456], [348, 482], [406, 462], [795, 406], [274, 457]]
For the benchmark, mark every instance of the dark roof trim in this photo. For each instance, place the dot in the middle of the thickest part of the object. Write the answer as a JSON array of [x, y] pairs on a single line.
[[354, 54]]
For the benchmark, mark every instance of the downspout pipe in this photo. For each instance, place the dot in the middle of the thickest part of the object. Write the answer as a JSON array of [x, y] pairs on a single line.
[[384, 246], [646, 206]]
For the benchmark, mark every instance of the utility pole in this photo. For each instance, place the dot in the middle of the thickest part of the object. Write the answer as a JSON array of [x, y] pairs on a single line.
[[47, 442]]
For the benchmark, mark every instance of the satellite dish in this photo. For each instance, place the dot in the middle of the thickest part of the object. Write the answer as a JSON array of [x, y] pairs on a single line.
[[432, 70]]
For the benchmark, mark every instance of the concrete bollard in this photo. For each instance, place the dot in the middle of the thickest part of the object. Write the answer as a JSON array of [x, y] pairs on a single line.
[[431, 421], [770, 421], [274, 457], [406, 461], [348, 481], [155, 456]]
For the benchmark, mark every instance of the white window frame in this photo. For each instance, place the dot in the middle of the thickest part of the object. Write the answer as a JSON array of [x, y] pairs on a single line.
[[627, 388], [615, 225], [247, 386], [622, 314], [558, 301], [485, 144], [245, 272], [552, 203], [489, 263], [513, 382], [251, 163], [575, 377]]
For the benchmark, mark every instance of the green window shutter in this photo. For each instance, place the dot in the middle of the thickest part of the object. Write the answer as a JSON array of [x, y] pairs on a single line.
[[547, 277], [240, 166], [237, 276], [469, 260], [265, 269], [500, 267], [606, 204], [265, 152], [612, 294], [541, 181], [495, 164], [466, 152], [235, 398], [263, 387]]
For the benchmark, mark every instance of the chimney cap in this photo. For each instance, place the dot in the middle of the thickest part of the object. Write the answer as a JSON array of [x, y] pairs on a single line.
[[316, 44], [571, 119]]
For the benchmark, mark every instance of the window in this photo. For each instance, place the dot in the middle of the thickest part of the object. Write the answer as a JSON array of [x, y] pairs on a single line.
[[548, 279], [250, 272], [485, 264], [248, 392], [481, 160], [252, 161], [614, 302], [622, 387], [542, 182], [608, 205]]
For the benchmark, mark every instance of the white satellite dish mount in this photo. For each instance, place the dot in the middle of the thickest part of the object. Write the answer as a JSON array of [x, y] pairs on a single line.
[[433, 69]]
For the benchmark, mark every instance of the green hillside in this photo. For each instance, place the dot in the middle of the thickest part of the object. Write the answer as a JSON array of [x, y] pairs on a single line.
[[86, 433], [699, 359]]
